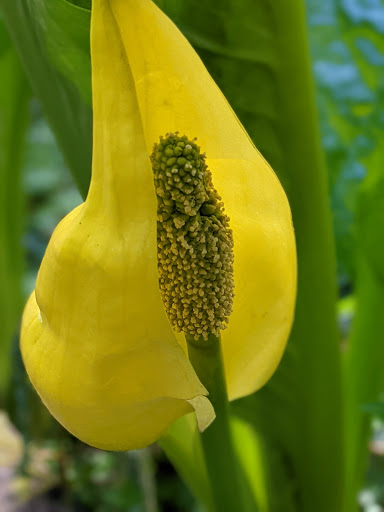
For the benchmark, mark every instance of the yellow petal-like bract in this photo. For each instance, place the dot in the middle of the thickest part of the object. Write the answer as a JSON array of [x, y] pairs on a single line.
[[96, 341]]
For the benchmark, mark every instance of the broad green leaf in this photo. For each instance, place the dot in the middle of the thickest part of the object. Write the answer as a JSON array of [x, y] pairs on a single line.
[[14, 96], [258, 54], [52, 39], [63, 30]]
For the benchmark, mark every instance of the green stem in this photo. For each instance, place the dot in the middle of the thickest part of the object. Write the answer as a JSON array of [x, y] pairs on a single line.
[[217, 443], [364, 379]]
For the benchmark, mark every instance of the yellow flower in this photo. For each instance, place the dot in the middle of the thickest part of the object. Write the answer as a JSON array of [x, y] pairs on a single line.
[[96, 341]]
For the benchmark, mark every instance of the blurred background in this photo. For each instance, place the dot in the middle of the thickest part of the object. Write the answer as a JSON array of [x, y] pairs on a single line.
[[42, 467]]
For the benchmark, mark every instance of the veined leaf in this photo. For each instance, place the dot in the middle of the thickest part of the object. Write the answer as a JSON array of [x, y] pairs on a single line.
[[52, 39]]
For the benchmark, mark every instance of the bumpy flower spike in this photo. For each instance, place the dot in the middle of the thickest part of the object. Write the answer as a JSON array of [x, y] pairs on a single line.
[[195, 242]]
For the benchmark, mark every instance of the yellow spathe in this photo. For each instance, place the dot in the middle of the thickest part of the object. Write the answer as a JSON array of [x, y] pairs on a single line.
[[176, 93], [96, 341]]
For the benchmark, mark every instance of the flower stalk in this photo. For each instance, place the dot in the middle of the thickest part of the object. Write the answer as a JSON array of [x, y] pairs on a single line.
[[217, 443]]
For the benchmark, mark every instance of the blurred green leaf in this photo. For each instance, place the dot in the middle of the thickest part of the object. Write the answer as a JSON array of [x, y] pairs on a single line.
[[14, 96], [350, 77], [63, 30], [251, 453], [346, 104], [181, 443], [375, 409], [371, 222], [52, 39]]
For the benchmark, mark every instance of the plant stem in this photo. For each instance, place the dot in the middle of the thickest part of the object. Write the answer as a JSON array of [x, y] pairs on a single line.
[[364, 379], [217, 443]]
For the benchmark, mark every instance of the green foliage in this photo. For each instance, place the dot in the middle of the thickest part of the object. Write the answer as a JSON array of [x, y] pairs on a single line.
[[48, 59], [69, 50], [347, 48], [182, 445], [349, 59], [86, 4], [376, 409], [102, 481], [370, 222], [14, 96]]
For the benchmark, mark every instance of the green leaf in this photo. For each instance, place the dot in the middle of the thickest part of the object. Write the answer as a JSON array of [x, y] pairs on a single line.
[[52, 39], [348, 51], [182, 445], [63, 30], [14, 96], [370, 223], [250, 452], [86, 4]]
